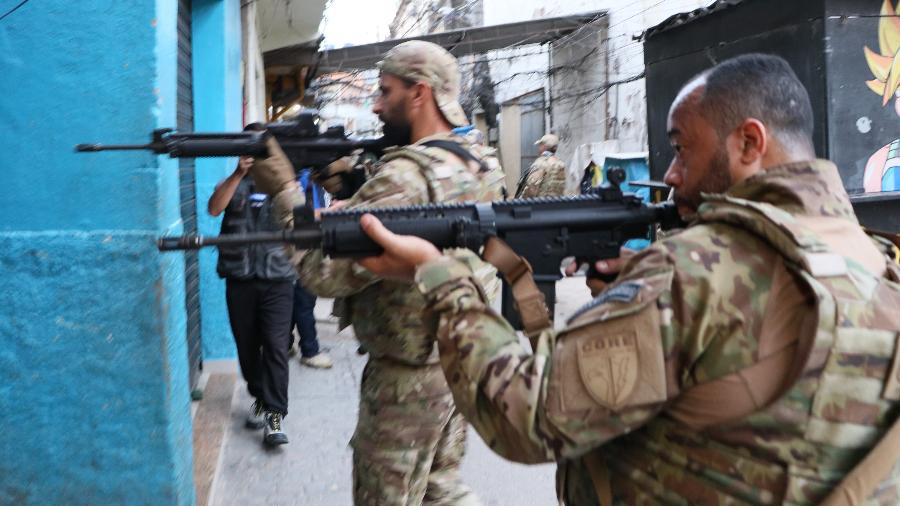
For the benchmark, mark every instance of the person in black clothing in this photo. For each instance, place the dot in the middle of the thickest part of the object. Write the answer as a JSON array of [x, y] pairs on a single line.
[[259, 291]]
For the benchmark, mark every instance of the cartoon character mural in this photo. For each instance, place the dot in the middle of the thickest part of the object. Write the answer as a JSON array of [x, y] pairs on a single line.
[[882, 171]]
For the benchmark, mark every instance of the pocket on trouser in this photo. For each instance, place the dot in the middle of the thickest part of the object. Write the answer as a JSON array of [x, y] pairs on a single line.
[[394, 447], [445, 484]]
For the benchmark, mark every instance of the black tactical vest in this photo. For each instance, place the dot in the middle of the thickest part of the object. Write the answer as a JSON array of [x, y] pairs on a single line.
[[252, 212]]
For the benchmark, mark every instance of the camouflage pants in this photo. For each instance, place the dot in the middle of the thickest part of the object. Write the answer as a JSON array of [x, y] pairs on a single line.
[[407, 452]]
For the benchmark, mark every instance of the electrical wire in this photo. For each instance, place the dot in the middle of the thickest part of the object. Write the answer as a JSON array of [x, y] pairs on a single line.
[[579, 35], [14, 9]]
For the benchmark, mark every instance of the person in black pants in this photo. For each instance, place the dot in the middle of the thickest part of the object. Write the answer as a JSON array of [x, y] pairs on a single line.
[[259, 290]]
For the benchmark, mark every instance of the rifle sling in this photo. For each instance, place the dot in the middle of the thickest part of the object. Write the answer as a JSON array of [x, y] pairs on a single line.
[[517, 273], [457, 150]]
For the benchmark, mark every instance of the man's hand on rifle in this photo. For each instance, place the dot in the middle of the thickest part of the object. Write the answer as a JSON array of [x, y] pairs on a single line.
[[403, 254], [342, 177], [608, 269], [243, 166]]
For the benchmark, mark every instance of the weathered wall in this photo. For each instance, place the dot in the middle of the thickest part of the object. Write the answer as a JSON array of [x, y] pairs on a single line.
[[593, 113], [94, 395]]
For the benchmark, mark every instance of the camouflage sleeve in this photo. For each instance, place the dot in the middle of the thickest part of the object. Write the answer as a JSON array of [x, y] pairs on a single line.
[[514, 397], [396, 183]]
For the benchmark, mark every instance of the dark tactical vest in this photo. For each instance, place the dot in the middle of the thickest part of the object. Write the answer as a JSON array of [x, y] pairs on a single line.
[[252, 212], [839, 399]]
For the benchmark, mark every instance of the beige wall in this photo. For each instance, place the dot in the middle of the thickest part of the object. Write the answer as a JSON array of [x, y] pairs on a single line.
[[253, 71], [510, 148]]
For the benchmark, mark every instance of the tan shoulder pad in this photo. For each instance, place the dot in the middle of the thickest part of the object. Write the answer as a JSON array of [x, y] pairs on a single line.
[[612, 355]]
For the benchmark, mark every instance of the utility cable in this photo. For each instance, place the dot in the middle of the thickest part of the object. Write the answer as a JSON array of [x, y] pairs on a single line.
[[14, 9]]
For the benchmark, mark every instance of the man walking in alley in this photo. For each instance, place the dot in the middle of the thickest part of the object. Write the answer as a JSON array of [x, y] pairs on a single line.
[[259, 289], [409, 438], [547, 175]]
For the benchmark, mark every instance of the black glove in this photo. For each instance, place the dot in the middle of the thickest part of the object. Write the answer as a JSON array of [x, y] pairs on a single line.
[[341, 178]]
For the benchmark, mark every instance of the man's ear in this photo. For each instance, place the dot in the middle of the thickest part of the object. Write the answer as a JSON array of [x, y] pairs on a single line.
[[421, 94], [753, 138]]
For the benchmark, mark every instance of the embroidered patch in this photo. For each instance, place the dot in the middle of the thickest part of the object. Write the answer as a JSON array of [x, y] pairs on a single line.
[[609, 367], [625, 292]]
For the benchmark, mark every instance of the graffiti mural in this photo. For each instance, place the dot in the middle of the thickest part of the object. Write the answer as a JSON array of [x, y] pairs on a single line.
[[882, 172]]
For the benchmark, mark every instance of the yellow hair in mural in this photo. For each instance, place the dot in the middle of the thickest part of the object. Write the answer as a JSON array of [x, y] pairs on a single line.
[[886, 65]]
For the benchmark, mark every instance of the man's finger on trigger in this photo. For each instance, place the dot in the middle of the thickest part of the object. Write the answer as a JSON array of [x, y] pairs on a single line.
[[373, 227]]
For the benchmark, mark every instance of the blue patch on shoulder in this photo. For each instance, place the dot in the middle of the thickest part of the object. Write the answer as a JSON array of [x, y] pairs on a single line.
[[624, 292]]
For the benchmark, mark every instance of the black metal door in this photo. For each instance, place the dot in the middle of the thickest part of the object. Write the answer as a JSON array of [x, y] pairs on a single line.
[[187, 186]]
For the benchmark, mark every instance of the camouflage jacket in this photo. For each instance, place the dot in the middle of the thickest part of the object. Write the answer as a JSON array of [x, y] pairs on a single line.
[[496, 174], [664, 383], [386, 315], [545, 178]]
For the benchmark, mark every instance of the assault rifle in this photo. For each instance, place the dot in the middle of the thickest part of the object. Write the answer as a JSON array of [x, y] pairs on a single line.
[[300, 139], [544, 231]]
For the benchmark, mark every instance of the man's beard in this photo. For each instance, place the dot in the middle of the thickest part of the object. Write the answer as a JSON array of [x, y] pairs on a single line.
[[717, 180], [396, 134]]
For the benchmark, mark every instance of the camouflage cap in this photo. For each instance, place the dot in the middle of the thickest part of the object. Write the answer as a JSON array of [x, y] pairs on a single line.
[[549, 140], [433, 65]]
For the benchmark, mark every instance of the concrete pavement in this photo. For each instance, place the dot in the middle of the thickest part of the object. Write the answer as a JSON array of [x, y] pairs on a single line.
[[315, 468]]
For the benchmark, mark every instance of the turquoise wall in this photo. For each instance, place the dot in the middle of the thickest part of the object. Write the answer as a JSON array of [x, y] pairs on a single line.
[[218, 107], [94, 397]]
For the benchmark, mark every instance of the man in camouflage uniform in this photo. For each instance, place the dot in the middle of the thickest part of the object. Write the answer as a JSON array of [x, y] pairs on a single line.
[[409, 438], [750, 359], [475, 138], [547, 175]]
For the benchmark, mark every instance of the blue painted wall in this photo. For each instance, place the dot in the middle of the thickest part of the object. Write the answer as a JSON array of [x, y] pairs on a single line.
[[218, 107], [94, 395]]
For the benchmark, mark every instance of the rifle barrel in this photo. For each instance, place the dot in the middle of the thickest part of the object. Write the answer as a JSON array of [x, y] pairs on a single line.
[[111, 147], [303, 238]]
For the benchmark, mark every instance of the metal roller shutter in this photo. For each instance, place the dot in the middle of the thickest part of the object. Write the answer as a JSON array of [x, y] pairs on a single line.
[[185, 122]]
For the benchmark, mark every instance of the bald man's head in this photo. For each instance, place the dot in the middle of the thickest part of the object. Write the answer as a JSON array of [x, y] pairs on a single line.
[[757, 86]]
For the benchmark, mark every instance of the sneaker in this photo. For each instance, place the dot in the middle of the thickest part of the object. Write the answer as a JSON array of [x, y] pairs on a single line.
[[317, 361], [273, 434], [256, 417]]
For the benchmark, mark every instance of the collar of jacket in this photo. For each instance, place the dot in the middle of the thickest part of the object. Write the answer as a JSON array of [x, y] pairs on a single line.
[[812, 188], [442, 136]]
